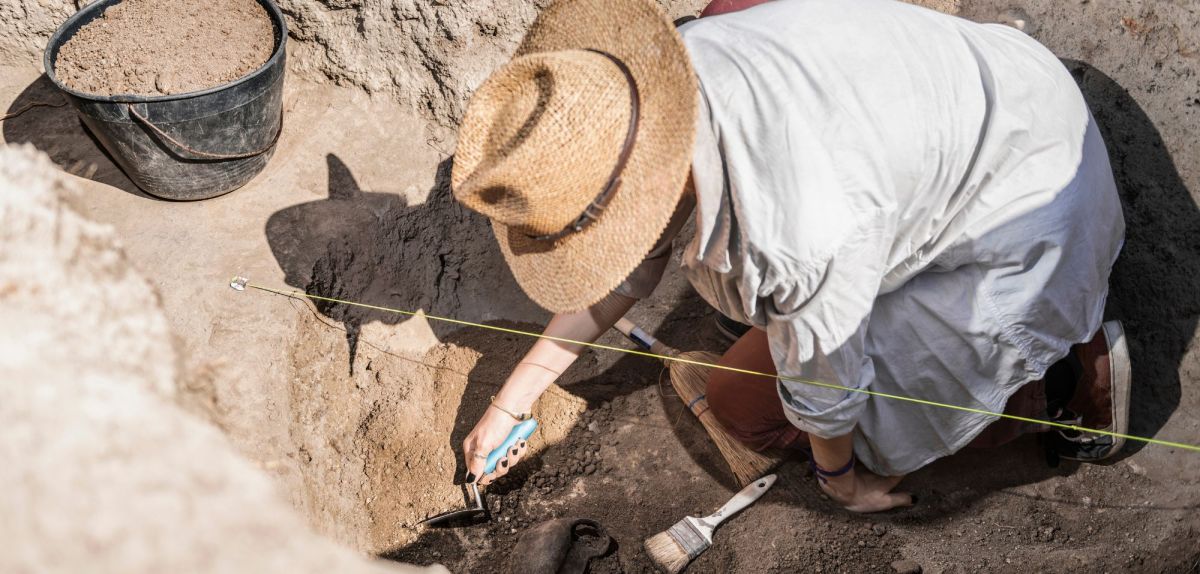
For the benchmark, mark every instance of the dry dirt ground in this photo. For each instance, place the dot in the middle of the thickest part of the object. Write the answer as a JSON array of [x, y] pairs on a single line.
[[357, 415]]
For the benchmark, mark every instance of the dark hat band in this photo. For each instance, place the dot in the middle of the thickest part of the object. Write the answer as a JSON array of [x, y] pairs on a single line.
[[596, 208]]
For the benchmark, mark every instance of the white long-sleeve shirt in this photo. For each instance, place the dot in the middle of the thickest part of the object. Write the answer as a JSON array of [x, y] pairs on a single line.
[[907, 202]]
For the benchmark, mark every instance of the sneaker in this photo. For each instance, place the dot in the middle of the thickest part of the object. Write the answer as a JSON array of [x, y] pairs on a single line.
[[729, 328], [1100, 400]]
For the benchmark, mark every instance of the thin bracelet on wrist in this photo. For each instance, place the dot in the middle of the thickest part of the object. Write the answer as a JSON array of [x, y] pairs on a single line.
[[823, 475], [521, 417]]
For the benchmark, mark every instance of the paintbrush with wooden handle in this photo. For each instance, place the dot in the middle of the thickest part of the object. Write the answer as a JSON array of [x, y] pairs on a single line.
[[673, 549]]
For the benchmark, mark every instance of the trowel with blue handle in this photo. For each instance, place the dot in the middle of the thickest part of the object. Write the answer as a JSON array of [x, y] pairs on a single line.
[[473, 514]]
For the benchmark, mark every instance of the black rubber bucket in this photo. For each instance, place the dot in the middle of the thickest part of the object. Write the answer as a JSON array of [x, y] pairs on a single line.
[[186, 146]]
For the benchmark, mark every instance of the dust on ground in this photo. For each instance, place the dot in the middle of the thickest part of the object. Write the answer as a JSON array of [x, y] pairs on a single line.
[[163, 47], [355, 205]]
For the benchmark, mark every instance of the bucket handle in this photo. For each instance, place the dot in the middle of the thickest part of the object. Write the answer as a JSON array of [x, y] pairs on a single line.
[[133, 113]]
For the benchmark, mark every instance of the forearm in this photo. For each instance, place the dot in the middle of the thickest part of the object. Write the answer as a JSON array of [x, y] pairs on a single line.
[[547, 359], [858, 490], [832, 453]]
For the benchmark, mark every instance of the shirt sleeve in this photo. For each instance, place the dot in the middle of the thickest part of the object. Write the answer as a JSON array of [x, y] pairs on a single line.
[[817, 332], [643, 280]]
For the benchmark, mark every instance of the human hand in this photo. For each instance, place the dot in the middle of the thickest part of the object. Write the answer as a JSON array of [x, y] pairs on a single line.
[[861, 490], [489, 433]]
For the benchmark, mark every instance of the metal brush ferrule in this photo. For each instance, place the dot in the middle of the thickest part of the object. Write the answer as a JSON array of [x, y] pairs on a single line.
[[689, 538]]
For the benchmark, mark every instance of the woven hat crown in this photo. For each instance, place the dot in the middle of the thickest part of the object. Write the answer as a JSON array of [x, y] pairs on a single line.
[[578, 149], [541, 137]]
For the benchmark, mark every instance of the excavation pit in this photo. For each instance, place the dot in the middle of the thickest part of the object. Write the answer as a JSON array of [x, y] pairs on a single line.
[[355, 416]]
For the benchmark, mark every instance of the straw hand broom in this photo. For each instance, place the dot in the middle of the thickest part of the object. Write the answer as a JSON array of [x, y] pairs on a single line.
[[689, 381]]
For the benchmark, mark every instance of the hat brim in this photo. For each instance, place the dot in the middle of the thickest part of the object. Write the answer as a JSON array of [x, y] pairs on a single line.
[[580, 269]]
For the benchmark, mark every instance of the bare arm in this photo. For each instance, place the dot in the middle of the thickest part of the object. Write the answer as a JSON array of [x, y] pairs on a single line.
[[547, 359], [540, 367], [859, 490]]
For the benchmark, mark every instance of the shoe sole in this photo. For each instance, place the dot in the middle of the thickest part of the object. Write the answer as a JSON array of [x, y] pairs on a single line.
[[1121, 374]]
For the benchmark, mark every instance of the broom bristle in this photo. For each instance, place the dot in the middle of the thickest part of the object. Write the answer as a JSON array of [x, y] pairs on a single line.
[[666, 552], [690, 381]]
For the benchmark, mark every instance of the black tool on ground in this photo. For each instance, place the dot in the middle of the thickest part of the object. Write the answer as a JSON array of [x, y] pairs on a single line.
[[561, 546], [472, 514], [187, 146], [479, 513]]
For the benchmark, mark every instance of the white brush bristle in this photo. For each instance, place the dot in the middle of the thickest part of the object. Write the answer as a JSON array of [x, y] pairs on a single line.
[[666, 552]]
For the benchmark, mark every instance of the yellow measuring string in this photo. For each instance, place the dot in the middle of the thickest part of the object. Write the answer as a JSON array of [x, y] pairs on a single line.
[[300, 294]]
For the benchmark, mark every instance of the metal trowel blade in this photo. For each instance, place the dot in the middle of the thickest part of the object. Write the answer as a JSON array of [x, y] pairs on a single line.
[[463, 517]]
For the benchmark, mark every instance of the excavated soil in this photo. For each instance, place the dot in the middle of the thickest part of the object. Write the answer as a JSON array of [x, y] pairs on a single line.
[[162, 47], [387, 435], [104, 472], [357, 414]]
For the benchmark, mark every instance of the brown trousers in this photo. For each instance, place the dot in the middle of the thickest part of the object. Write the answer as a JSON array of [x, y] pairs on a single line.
[[750, 408]]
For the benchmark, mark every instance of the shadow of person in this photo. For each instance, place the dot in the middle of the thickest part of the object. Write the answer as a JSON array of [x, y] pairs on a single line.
[[330, 248], [373, 248], [1153, 285], [59, 133]]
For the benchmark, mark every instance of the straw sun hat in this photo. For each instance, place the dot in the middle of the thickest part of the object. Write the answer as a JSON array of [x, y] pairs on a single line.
[[579, 148]]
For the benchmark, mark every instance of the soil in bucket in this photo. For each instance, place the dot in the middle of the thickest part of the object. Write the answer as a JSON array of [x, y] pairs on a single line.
[[163, 47]]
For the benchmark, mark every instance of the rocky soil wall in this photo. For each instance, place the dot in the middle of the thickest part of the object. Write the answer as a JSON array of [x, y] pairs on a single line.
[[103, 471], [428, 54]]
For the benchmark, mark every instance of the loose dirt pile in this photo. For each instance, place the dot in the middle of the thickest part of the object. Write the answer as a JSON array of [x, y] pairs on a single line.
[[162, 47]]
